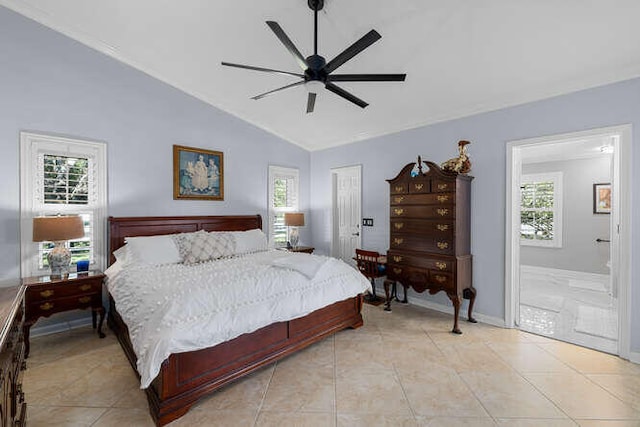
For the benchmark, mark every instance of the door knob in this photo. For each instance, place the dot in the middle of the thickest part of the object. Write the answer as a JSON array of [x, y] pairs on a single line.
[[356, 234]]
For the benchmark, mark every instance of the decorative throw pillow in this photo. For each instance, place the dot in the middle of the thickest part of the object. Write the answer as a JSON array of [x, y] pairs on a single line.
[[202, 246]]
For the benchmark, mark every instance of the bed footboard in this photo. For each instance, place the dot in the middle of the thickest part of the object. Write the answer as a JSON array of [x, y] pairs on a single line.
[[186, 377]]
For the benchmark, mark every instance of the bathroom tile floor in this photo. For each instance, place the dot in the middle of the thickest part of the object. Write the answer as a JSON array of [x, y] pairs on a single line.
[[401, 369]]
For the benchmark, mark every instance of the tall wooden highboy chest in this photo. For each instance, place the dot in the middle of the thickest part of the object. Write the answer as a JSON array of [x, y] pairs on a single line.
[[430, 247]]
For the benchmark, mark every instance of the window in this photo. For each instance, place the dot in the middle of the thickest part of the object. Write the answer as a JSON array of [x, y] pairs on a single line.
[[283, 197], [62, 176], [541, 210]]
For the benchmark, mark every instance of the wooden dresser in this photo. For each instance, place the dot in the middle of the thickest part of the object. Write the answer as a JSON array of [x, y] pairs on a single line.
[[430, 234], [13, 408]]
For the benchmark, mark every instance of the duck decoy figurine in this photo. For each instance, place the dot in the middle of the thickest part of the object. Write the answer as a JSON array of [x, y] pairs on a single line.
[[460, 164]]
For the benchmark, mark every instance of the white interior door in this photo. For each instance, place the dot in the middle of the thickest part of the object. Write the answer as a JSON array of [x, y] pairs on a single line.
[[347, 197]]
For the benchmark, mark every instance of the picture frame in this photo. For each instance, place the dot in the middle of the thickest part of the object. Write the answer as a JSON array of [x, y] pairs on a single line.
[[198, 174], [602, 198]]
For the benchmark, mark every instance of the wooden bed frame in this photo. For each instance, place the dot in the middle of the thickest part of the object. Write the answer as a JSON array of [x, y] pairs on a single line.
[[186, 377]]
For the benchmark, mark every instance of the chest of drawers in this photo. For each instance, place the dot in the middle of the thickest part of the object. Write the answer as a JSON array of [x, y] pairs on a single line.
[[430, 247], [13, 408]]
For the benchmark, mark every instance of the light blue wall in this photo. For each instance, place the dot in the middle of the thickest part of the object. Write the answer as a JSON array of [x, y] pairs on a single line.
[[382, 158], [52, 84]]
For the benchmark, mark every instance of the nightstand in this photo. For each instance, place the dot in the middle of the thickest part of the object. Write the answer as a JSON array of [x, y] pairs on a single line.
[[45, 296], [305, 249]]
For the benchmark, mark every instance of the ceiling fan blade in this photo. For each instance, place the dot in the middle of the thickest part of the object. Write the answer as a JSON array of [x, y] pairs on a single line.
[[262, 95], [365, 41], [268, 70], [366, 77], [286, 41], [346, 95], [311, 102]]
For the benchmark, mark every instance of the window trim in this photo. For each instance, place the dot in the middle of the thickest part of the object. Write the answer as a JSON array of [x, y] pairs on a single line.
[[33, 144], [275, 171], [556, 178]]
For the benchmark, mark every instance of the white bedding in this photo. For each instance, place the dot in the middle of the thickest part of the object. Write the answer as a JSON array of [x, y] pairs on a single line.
[[175, 308]]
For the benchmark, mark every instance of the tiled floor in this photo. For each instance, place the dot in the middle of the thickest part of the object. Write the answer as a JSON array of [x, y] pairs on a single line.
[[579, 315], [401, 369]]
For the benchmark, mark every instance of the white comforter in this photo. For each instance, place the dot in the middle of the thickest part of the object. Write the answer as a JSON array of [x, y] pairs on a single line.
[[176, 308]]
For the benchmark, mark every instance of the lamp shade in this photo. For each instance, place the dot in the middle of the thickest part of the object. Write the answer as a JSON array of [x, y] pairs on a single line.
[[57, 228], [294, 219]]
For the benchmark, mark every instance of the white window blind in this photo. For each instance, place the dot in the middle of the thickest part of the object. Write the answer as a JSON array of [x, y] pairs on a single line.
[[283, 197], [541, 209]]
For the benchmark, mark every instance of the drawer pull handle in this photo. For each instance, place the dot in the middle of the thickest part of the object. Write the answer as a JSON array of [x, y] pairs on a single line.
[[398, 225], [85, 287], [443, 212], [47, 293], [442, 227], [398, 211], [443, 245], [84, 300], [397, 258], [399, 188], [46, 306], [443, 199], [440, 279], [442, 186], [399, 199], [418, 186], [398, 241], [397, 270], [441, 265]]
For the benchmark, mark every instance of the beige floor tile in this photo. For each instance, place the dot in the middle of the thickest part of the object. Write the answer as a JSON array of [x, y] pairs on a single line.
[[580, 398], [455, 422], [135, 398], [375, 420], [508, 395], [295, 389], [589, 361], [298, 419], [473, 357], [120, 417], [433, 392], [608, 423], [527, 357], [534, 422], [371, 393], [59, 416], [215, 419], [245, 394], [624, 387]]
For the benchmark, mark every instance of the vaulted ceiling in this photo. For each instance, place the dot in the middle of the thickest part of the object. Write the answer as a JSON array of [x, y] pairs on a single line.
[[461, 57]]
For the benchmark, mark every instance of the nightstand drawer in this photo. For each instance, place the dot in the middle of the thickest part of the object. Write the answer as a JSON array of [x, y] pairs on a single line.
[[53, 291], [46, 308]]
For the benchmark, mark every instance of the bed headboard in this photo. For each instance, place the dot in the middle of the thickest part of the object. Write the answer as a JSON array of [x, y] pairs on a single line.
[[121, 227]]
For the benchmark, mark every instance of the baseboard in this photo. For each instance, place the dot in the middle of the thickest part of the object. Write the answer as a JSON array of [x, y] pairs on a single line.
[[448, 309], [634, 357], [59, 327]]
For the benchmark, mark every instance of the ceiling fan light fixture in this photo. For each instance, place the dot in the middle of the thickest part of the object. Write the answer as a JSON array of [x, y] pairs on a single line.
[[314, 86]]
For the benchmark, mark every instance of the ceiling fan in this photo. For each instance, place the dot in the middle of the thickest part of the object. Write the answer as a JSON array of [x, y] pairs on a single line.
[[316, 71]]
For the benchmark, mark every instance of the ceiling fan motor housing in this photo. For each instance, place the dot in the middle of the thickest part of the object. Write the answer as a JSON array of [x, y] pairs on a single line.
[[316, 70], [315, 4]]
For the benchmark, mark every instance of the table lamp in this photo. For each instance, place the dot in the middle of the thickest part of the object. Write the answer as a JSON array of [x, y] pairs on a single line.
[[293, 220], [58, 229]]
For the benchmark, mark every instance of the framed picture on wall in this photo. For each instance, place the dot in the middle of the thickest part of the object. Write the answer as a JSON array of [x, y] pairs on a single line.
[[602, 198], [197, 174]]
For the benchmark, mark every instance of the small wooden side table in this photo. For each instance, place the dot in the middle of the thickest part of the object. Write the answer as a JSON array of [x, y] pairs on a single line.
[[45, 296], [305, 249]]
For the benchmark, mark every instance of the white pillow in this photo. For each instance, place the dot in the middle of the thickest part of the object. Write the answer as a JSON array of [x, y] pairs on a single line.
[[250, 241], [152, 250]]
